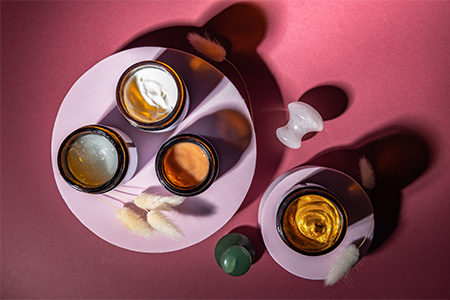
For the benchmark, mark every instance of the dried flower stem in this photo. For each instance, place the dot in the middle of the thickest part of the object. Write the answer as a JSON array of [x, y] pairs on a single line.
[[249, 103], [368, 232], [106, 202], [151, 204]]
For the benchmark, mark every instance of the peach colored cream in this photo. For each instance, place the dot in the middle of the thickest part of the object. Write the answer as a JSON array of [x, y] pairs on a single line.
[[186, 165]]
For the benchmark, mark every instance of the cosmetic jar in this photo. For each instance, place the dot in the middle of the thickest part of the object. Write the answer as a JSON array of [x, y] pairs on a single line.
[[311, 220], [96, 159], [152, 96], [187, 164]]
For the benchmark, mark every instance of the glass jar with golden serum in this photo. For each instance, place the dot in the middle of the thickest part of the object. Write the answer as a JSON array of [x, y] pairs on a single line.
[[311, 220]]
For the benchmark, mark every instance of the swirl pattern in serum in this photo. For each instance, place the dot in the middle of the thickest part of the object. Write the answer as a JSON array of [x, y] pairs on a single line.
[[312, 223]]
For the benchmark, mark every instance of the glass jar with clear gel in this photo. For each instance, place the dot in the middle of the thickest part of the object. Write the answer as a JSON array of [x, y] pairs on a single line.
[[187, 164], [96, 159], [311, 220], [152, 96]]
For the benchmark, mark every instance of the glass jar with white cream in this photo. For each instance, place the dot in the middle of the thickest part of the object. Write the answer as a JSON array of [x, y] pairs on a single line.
[[96, 159], [152, 96]]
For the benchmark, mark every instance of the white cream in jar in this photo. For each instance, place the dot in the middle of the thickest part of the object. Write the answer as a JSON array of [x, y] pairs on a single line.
[[152, 96]]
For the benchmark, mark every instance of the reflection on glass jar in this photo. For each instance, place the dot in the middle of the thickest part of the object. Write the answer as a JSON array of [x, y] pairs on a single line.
[[152, 96], [187, 164], [96, 159], [311, 220]]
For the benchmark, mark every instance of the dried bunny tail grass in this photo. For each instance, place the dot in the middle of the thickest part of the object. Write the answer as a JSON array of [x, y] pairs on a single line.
[[162, 224], [207, 46], [152, 201], [347, 259], [134, 222], [173, 200], [367, 173]]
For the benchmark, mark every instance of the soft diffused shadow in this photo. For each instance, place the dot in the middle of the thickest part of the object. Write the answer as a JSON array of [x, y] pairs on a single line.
[[199, 77], [196, 206], [147, 144], [398, 155], [255, 236], [229, 132], [240, 28], [329, 100], [200, 80]]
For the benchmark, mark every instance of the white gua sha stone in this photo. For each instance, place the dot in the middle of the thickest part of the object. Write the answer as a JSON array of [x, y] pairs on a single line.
[[303, 118]]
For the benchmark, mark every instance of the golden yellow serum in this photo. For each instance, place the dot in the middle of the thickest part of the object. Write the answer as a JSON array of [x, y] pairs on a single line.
[[311, 221], [152, 96], [186, 164]]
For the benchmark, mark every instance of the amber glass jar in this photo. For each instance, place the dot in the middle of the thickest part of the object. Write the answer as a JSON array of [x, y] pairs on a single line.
[[152, 96], [311, 220], [187, 164], [96, 159]]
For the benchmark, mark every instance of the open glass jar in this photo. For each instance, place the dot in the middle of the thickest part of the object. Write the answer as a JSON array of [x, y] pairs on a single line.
[[96, 159], [152, 96], [311, 220], [187, 164]]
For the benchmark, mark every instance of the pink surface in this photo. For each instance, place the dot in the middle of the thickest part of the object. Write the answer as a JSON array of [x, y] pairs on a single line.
[[212, 114], [380, 69]]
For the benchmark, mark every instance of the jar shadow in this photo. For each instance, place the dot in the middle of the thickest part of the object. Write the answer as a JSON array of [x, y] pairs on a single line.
[[229, 132], [398, 155], [254, 234], [330, 101]]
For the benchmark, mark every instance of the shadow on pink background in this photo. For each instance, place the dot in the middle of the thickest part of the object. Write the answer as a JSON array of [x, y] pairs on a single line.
[[377, 70]]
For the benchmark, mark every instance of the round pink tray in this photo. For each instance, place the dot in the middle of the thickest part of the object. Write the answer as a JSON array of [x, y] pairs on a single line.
[[354, 199], [217, 112]]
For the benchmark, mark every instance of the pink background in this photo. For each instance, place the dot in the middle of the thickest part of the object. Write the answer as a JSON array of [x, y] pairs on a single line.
[[387, 68]]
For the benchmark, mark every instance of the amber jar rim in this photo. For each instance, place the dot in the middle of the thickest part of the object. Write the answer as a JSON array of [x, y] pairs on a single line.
[[176, 112], [310, 190], [210, 152], [122, 154]]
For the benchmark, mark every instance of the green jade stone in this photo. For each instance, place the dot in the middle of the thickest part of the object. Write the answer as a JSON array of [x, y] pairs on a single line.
[[234, 253]]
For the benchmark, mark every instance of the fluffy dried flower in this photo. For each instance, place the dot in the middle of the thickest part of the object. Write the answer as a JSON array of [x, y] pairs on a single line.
[[134, 222], [347, 259], [152, 201], [367, 173], [207, 46], [162, 224]]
